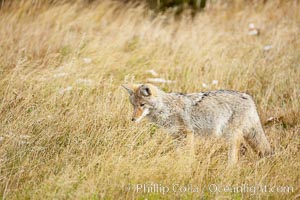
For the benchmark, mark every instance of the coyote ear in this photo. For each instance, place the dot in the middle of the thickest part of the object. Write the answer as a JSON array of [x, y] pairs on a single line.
[[129, 90], [145, 90]]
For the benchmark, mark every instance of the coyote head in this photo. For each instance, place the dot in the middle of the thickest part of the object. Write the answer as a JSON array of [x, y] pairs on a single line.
[[142, 97]]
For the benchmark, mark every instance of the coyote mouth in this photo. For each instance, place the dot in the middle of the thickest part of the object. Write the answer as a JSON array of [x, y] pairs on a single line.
[[144, 114]]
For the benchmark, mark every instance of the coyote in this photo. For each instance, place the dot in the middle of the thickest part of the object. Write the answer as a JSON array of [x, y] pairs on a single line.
[[220, 113]]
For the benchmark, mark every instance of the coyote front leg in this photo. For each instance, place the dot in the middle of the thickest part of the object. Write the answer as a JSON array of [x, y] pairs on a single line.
[[190, 137]]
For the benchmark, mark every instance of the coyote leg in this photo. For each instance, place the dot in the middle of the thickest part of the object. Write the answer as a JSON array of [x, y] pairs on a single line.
[[234, 148], [191, 146], [191, 143], [190, 140]]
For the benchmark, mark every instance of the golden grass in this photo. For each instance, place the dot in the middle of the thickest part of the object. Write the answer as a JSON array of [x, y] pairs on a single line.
[[65, 121]]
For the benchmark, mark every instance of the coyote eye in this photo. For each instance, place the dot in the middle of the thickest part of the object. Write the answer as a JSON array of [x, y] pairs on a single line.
[[142, 104]]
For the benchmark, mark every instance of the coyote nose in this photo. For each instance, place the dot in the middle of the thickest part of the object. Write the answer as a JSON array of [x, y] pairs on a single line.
[[133, 119]]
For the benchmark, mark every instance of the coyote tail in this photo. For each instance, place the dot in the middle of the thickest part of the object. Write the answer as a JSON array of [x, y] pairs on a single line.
[[258, 141]]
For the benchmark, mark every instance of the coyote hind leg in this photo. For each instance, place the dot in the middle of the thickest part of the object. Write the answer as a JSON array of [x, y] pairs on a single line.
[[235, 142]]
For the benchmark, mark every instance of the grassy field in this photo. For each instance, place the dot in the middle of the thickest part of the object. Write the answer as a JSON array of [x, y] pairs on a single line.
[[65, 121]]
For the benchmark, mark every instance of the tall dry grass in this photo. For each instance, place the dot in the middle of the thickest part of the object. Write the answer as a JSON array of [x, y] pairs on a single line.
[[65, 122]]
